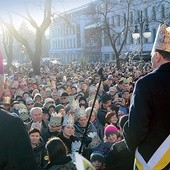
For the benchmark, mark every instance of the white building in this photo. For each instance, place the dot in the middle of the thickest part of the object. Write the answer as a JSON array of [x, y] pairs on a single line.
[[77, 34]]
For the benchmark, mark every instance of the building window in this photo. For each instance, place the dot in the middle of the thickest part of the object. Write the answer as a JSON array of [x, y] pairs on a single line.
[[113, 21], [124, 18], [153, 34], [145, 40], [118, 40], [146, 14], [162, 11], [153, 13], [106, 40], [118, 20], [131, 17], [107, 57]]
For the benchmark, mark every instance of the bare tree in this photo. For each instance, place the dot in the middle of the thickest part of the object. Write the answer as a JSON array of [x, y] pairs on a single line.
[[8, 45], [113, 23], [34, 54]]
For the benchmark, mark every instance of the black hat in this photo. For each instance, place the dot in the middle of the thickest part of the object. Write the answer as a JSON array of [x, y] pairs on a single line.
[[14, 102], [34, 131], [64, 94], [59, 107], [105, 98], [82, 98]]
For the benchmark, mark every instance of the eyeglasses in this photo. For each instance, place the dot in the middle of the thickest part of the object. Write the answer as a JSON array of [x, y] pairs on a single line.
[[63, 98]]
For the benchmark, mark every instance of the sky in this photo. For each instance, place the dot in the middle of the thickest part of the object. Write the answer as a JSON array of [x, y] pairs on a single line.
[[17, 6]]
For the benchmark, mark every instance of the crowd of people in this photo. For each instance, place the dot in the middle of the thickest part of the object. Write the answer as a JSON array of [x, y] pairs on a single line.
[[59, 101], [55, 107]]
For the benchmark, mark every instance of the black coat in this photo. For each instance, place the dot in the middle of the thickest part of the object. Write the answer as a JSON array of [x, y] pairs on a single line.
[[119, 157], [149, 121], [15, 147]]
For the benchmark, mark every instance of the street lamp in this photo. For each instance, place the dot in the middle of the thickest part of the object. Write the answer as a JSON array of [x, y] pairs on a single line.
[[140, 33]]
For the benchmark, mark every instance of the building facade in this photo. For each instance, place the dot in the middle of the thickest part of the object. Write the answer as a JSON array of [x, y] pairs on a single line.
[[81, 34]]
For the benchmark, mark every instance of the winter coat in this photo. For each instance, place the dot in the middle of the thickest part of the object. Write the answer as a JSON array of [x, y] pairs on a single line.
[[61, 164], [148, 126], [119, 157], [15, 147], [40, 153], [101, 115]]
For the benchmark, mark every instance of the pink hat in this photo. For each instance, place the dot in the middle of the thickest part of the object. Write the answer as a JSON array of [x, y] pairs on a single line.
[[111, 129]]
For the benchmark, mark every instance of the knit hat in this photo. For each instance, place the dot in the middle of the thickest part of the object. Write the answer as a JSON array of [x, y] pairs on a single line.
[[37, 104], [110, 129], [96, 155], [105, 98], [47, 100], [59, 107]]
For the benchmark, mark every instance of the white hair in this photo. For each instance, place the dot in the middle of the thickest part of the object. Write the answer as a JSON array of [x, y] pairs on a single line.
[[34, 109]]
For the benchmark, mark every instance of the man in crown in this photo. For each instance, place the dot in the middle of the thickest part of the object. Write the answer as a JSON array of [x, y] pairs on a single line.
[[147, 133]]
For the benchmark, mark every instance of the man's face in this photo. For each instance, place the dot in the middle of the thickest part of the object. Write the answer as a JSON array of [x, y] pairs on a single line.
[[107, 104], [154, 59], [36, 116]]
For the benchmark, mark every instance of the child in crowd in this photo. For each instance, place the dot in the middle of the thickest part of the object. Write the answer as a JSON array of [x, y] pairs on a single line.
[[97, 160], [111, 135]]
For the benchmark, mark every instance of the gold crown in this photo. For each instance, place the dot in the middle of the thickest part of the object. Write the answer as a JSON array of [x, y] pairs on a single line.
[[80, 112], [68, 120], [56, 119], [162, 40]]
